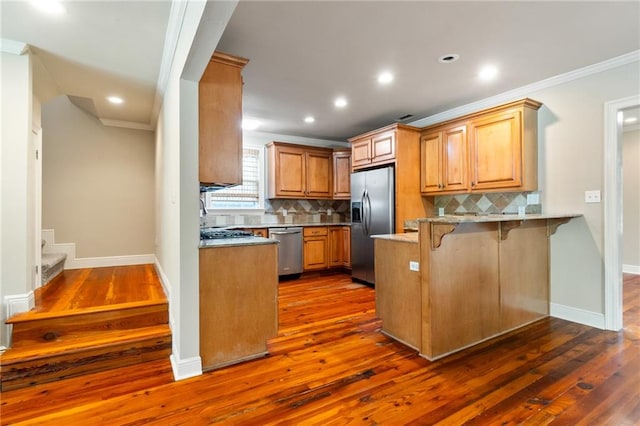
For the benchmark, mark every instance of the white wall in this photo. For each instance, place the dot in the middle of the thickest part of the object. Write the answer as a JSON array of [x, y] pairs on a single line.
[[631, 201], [97, 183], [177, 220], [17, 263]]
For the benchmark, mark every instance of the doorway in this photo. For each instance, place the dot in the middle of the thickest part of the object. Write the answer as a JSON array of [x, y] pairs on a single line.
[[613, 209]]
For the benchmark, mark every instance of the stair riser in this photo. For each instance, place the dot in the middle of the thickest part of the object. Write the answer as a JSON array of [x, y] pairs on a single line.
[[43, 370], [43, 330]]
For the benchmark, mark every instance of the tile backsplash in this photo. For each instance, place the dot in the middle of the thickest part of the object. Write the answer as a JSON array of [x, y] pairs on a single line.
[[492, 202], [286, 211]]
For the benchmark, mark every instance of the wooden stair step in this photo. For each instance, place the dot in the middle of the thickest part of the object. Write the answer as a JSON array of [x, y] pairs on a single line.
[[82, 354], [34, 327]]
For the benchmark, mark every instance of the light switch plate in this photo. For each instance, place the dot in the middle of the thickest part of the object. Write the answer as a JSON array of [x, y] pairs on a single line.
[[414, 266], [533, 199], [592, 196]]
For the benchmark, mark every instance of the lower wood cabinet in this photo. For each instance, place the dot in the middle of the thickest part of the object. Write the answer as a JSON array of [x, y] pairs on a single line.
[[238, 302], [315, 248], [326, 247]]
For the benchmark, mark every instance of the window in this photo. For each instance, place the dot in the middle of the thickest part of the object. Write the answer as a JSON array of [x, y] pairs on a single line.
[[245, 196]]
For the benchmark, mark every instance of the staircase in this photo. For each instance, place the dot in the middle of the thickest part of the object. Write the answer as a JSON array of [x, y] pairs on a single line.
[[53, 345]]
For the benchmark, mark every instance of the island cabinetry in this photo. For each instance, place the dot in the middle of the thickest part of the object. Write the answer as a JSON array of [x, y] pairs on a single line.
[[461, 299], [396, 145], [478, 278], [219, 121], [398, 297], [341, 175], [238, 302], [315, 251], [296, 171], [444, 159], [524, 272], [491, 150]]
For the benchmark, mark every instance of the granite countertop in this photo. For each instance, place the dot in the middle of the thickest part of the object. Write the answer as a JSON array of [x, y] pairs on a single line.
[[495, 217], [409, 237], [235, 242]]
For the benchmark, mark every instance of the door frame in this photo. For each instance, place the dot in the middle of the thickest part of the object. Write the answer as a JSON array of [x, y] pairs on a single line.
[[613, 209]]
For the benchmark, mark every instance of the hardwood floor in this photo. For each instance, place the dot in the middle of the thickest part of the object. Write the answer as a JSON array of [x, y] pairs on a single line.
[[331, 365]]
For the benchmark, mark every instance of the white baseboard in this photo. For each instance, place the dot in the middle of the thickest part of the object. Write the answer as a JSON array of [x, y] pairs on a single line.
[[185, 368], [581, 316], [15, 304], [163, 278], [99, 262], [631, 269]]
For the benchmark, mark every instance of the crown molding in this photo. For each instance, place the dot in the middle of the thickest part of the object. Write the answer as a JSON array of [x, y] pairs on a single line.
[[524, 91], [127, 124], [13, 47]]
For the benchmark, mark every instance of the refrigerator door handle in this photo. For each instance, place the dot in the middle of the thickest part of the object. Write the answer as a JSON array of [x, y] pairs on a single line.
[[364, 211], [368, 213]]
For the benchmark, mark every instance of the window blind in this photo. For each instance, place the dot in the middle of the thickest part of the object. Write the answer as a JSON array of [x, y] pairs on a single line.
[[246, 195]]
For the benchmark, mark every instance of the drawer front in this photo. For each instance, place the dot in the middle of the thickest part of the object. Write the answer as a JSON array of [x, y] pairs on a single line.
[[314, 231]]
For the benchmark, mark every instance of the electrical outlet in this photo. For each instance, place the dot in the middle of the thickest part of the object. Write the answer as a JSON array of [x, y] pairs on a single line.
[[414, 266], [592, 196]]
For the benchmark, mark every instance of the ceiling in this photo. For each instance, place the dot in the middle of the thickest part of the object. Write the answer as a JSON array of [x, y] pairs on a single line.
[[303, 54], [97, 49]]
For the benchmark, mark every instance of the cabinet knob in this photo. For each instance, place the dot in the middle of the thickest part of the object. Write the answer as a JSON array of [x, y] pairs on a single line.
[[473, 183]]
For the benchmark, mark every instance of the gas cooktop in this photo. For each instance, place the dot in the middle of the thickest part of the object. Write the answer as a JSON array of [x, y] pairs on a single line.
[[217, 233]]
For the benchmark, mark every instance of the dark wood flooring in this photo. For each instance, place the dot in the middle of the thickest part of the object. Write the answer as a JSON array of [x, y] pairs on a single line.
[[330, 365]]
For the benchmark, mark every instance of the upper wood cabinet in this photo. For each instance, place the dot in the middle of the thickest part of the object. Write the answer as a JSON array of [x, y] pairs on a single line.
[[395, 145], [373, 149], [297, 171], [444, 160], [342, 175], [220, 119], [491, 150]]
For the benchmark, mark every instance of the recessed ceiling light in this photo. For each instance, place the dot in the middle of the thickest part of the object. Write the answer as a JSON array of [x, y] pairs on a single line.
[[250, 124], [385, 77], [340, 102], [631, 120], [309, 119], [451, 57], [488, 73], [53, 7], [115, 99]]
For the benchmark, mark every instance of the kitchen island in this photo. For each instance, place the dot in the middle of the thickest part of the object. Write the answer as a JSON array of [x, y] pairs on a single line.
[[238, 299], [479, 277]]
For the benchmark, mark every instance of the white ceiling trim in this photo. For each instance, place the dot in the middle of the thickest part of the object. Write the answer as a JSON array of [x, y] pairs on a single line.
[[127, 124], [524, 91], [13, 47]]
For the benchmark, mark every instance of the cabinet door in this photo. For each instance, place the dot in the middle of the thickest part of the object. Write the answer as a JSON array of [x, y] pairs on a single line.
[[318, 174], [454, 159], [430, 161], [315, 252], [361, 152], [383, 147], [346, 246], [220, 116], [335, 246], [496, 151], [342, 175], [290, 172]]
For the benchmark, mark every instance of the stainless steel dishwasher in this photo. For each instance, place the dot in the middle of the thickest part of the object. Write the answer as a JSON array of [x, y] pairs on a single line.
[[289, 249]]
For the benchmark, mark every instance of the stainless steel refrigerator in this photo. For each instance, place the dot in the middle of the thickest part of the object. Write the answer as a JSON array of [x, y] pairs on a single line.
[[372, 209]]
